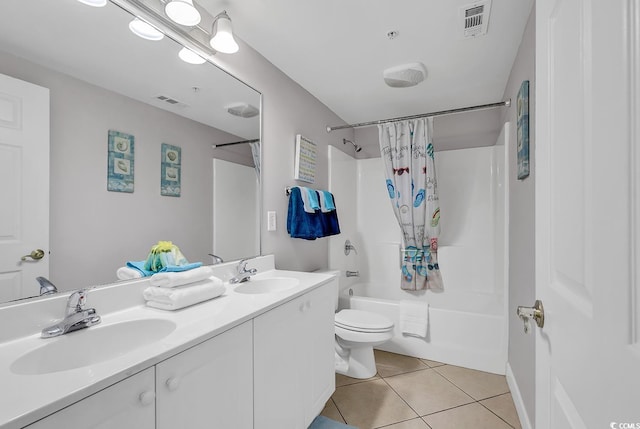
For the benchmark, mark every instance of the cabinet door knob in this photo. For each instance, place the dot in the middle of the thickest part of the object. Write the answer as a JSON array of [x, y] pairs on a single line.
[[173, 383], [147, 398]]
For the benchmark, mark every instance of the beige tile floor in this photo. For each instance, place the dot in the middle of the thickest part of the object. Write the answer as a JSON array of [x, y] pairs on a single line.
[[411, 393]]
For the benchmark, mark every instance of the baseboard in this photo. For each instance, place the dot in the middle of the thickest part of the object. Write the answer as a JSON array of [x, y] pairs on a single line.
[[525, 422]]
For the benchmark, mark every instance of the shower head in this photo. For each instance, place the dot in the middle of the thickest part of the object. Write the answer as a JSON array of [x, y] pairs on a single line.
[[355, 146]]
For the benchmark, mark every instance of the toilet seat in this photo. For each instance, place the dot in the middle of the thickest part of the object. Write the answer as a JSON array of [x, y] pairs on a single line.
[[362, 321]]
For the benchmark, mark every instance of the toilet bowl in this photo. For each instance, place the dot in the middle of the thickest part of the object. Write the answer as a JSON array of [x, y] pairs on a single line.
[[357, 332]]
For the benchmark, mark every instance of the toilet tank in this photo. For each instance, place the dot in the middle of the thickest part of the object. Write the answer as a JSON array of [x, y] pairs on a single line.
[[337, 275]]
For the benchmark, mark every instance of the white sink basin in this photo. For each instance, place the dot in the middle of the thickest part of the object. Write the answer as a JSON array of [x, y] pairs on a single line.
[[268, 285], [91, 345]]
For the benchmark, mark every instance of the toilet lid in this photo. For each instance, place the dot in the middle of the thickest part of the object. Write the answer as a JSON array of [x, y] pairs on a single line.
[[365, 321]]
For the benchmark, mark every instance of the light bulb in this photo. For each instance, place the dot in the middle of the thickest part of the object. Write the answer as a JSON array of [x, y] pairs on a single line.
[[222, 40], [183, 12], [144, 30], [94, 3], [188, 56]]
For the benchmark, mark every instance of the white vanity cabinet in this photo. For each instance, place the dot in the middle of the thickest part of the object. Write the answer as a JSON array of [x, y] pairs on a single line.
[[127, 404], [209, 385], [294, 360]]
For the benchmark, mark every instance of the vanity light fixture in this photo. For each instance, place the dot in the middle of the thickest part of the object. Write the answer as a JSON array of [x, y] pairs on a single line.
[[183, 12], [94, 3], [145, 30], [188, 56], [222, 35]]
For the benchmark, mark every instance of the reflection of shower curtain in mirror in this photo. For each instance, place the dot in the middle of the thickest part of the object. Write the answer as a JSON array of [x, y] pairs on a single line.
[[408, 155], [255, 152]]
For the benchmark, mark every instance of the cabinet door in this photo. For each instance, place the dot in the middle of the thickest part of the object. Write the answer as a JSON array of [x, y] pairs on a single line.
[[294, 360], [128, 404], [278, 367], [209, 385], [320, 358]]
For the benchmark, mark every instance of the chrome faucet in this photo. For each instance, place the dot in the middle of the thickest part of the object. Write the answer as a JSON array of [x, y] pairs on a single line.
[[216, 259], [353, 273], [243, 274], [46, 287], [76, 316]]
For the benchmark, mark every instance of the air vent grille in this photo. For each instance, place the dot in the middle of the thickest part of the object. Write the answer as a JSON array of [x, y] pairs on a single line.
[[170, 100], [475, 18]]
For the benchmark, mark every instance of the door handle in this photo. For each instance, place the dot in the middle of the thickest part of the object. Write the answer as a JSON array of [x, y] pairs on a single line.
[[35, 255], [536, 313]]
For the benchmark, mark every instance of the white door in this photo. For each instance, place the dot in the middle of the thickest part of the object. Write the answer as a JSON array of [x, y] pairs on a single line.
[[588, 213], [24, 186]]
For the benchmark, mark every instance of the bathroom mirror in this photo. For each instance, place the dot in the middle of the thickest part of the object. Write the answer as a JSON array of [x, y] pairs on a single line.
[[101, 77]]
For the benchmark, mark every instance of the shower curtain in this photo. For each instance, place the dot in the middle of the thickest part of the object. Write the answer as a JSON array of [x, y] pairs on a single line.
[[407, 150]]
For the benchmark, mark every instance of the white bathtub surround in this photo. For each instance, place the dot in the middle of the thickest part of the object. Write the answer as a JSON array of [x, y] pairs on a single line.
[[414, 318], [408, 157], [467, 320]]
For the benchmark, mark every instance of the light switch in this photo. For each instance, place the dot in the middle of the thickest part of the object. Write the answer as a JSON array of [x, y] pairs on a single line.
[[271, 221]]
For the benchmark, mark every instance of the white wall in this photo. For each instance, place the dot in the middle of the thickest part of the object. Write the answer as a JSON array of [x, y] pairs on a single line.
[[521, 229], [287, 110], [94, 231]]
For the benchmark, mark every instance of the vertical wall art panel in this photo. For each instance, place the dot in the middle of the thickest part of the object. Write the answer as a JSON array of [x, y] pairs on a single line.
[[305, 160], [121, 162], [523, 130], [170, 170]]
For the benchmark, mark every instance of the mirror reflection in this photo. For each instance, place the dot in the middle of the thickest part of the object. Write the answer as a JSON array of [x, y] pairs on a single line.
[[70, 74]]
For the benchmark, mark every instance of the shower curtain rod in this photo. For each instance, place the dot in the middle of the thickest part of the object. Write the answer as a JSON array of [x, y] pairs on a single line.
[[232, 143], [506, 103]]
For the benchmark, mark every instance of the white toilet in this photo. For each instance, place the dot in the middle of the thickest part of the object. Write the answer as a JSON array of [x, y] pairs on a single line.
[[357, 332]]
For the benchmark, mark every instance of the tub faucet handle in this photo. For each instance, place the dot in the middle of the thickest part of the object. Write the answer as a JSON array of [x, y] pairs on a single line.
[[348, 247]]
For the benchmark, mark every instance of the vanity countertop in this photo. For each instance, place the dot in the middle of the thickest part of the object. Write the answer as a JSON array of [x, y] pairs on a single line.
[[27, 398]]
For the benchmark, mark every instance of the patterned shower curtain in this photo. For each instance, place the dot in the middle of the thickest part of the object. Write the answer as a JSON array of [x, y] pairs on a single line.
[[407, 151]]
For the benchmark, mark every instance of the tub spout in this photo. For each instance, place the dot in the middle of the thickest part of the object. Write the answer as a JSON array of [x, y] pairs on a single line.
[[353, 273]]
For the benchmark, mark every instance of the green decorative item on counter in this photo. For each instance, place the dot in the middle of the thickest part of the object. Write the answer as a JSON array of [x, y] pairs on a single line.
[[164, 254]]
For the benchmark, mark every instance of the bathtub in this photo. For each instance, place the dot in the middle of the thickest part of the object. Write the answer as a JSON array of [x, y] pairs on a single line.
[[467, 331]]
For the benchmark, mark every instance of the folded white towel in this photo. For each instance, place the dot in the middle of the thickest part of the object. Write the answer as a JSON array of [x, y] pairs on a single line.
[[183, 296], [180, 278], [414, 318], [126, 273]]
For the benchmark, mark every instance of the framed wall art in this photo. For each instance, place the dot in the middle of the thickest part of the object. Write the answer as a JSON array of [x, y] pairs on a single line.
[[171, 170], [305, 160], [522, 106], [121, 157]]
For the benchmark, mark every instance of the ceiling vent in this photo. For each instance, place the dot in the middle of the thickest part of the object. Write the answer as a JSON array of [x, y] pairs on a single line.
[[243, 110], [405, 75], [170, 100], [475, 18]]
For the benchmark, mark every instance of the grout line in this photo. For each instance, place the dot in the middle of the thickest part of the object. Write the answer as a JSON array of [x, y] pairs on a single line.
[[400, 396], [466, 393], [498, 416], [339, 412], [407, 372], [402, 421]]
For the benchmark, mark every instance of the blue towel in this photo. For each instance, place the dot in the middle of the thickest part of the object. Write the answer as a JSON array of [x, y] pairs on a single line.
[[322, 422], [301, 224], [310, 199], [326, 201], [139, 265]]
